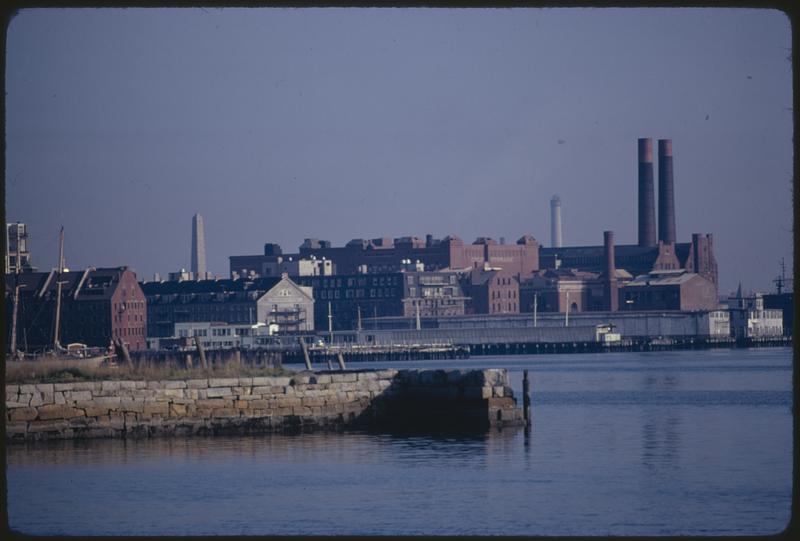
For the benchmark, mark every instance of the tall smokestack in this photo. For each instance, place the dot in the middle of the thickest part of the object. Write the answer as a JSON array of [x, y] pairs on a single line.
[[198, 248], [647, 205], [666, 193], [555, 222], [610, 290]]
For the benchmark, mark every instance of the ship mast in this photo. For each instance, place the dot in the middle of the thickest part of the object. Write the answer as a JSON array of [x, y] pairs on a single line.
[[16, 301], [56, 344]]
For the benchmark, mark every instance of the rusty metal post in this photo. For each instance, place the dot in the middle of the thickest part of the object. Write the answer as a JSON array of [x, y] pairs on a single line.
[[526, 398]]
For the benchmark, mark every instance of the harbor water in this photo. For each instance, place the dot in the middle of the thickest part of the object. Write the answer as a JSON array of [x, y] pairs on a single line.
[[660, 443]]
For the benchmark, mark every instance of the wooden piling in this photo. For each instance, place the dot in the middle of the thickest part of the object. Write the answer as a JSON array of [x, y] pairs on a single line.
[[122, 351], [305, 352], [200, 352], [526, 398], [340, 358]]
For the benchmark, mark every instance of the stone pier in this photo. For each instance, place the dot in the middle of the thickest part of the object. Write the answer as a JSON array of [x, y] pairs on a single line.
[[356, 399]]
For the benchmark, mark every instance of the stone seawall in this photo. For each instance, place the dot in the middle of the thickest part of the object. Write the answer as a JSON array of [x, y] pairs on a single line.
[[474, 399]]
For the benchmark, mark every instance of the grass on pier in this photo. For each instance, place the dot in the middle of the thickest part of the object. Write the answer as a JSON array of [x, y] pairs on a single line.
[[65, 371]]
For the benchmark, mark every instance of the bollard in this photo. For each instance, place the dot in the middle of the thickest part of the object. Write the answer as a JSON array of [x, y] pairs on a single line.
[[188, 360], [526, 398], [328, 360], [237, 358], [340, 358]]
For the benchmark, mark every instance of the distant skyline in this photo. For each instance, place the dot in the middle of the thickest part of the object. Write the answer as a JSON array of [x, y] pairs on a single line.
[[280, 124]]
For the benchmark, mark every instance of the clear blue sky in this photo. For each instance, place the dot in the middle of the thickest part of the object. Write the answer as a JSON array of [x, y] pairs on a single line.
[[281, 124]]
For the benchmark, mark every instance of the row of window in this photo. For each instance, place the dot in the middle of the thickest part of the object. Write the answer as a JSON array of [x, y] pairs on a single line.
[[435, 302], [352, 282], [128, 305], [510, 294], [129, 331], [358, 293], [136, 317]]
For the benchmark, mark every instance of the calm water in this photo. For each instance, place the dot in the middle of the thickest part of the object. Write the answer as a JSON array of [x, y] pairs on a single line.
[[696, 443]]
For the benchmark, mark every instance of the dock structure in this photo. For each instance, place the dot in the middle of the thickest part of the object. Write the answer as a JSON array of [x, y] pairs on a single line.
[[408, 401]]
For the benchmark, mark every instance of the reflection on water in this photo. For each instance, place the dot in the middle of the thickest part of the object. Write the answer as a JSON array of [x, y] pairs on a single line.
[[633, 444], [661, 439]]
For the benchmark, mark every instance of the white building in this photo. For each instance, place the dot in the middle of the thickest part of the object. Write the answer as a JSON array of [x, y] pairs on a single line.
[[749, 318], [306, 267], [216, 335], [17, 257], [714, 323]]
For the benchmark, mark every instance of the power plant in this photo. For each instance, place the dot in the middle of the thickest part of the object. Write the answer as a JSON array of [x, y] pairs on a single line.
[[647, 207], [666, 193]]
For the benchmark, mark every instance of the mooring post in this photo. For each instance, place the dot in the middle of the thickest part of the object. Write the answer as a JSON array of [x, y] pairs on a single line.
[[188, 360], [340, 358], [237, 358], [200, 352], [328, 360], [526, 398], [305, 352]]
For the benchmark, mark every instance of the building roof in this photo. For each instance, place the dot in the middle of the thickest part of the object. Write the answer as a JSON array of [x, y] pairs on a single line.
[[662, 278], [621, 250], [188, 287], [90, 284], [481, 276]]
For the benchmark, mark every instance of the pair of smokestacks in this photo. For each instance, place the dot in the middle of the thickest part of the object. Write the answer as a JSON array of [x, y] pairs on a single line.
[[666, 194]]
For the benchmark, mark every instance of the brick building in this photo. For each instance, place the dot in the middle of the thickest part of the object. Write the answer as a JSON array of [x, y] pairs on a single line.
[[491, 291], [669, 290], [265, 300], [385, 255], [638, 259], [376, 295], [97, 305]]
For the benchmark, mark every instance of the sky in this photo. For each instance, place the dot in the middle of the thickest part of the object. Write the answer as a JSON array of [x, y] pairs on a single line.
[[338, 123]]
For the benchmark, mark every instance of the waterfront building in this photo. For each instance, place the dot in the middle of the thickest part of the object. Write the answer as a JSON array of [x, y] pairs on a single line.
[[215, 335], [668, 290], [17, 258], [638, 325], [751, 319], [278, 301], [364, 297], [97, 305], [784, 302]]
